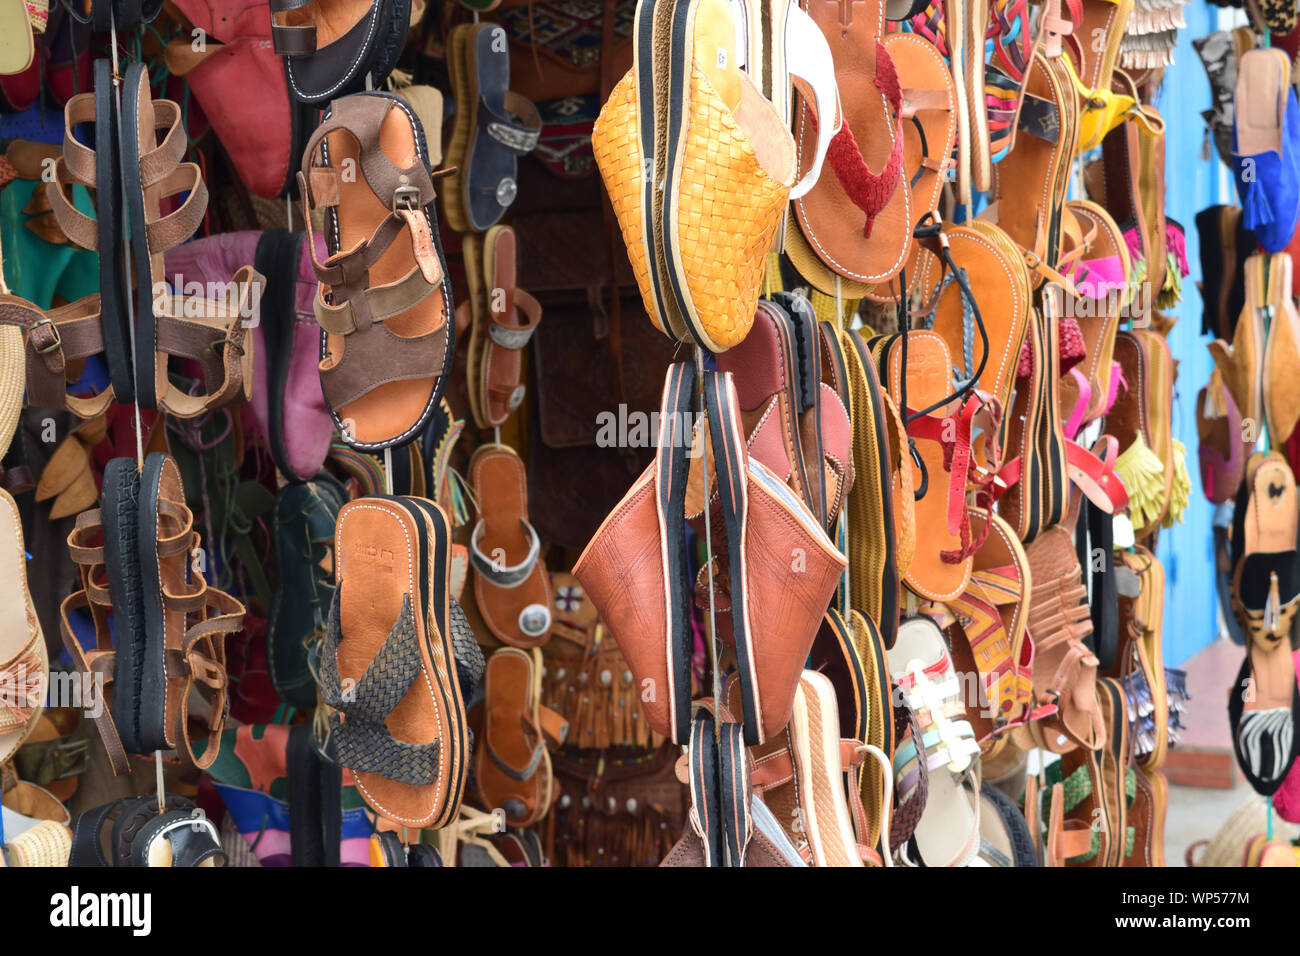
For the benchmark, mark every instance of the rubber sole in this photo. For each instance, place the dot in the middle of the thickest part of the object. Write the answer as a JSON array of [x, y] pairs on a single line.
[[151, 703], [122, 558], [146, 325], [114, 312], [1013, 824]]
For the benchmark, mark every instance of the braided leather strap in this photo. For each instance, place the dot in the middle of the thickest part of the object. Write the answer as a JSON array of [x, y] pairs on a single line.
[[358, 732]]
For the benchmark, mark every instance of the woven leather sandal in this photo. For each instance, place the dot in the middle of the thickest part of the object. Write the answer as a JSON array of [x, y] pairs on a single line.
[[212, 332], [394, 712], [384, 303]]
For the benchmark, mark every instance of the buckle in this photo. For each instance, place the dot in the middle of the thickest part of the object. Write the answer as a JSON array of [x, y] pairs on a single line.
[[211, 349], [406, 197], [58, 339]]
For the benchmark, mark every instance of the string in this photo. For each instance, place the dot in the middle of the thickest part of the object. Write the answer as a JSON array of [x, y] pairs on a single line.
[[388, 471]]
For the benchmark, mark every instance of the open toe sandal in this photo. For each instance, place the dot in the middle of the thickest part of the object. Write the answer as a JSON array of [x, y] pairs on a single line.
[[136, 556], [503, 319], [212, 332], [511, 585], [1265, 701], [386, 665], [493, 127], [947, 833], [512, 767], [384, 303], [137, 835]]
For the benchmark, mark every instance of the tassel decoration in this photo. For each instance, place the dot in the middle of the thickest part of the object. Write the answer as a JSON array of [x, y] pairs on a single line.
[[1182, 489], [1144, 479], [1256, 209]]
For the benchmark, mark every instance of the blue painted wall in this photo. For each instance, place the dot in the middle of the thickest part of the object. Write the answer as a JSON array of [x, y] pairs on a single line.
[[1192, 183]]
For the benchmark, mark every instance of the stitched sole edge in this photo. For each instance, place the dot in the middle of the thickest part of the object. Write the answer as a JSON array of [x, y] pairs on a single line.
[[120, 507]]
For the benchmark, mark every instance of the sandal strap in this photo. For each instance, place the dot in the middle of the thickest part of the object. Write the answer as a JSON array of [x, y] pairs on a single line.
[[510, 334], [55, 338], [178, 226], [101, 662], [219, 349], [362, 117], [518, 129], [79, 159], [363, 742], [500, 575], [201, 661], [359, 308]]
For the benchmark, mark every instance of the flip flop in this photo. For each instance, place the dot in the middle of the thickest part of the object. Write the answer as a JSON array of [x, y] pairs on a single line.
[[872, 244], [384, 303], [510, 581], [494, 126], [512, 767], [504, 319]]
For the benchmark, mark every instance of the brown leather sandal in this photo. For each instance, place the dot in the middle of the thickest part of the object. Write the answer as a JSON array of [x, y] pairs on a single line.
[[384, 303], [510, 581], [503, 319], [512, 766], [211, 332]]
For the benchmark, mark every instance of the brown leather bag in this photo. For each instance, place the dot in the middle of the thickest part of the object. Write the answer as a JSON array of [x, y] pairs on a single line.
[[618, 809], [595, 356]]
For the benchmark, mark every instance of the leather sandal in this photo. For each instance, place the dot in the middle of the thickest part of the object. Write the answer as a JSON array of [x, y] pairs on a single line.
[[872, 244], [941, 569], [494, 126], [504, 318], [212, 332], [1220, 450], [1064, 668], [330, 47], [992, 615], [137, 835], [1281, 391], [881, 467], [387, 666], [75, 333], [384, 303], [511, 586], [512, 767]]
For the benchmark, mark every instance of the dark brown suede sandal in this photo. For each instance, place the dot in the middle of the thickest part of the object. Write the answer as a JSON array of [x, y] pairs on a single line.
[[384, 304]]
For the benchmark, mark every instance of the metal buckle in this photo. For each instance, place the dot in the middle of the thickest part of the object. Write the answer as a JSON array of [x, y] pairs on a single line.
[[406, 197], [212, 348], [58, 339]]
